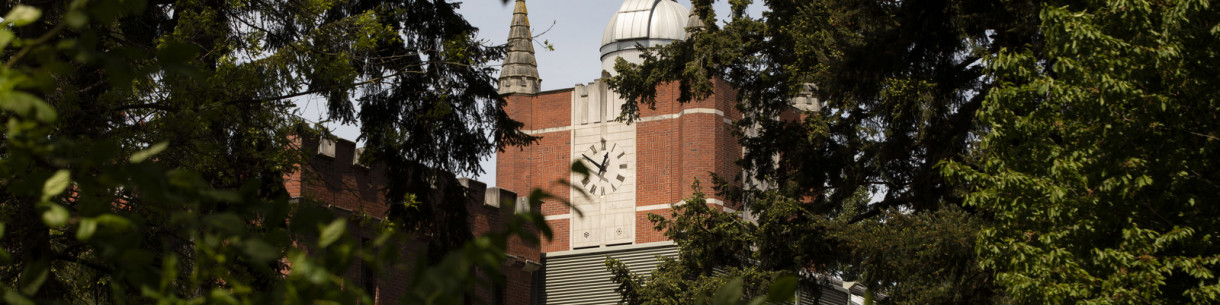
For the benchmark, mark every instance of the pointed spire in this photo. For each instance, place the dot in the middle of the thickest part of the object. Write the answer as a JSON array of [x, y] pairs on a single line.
[[519, 73], [694, 21]]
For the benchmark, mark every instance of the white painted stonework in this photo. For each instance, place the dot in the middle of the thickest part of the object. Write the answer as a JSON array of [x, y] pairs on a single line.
[[607, 219]]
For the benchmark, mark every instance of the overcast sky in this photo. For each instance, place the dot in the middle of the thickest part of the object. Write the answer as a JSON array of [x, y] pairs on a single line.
[[573, 27]]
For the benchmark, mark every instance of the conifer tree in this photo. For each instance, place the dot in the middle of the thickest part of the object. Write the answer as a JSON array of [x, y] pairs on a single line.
[[1070, 142], [146, 143], [900, 84]]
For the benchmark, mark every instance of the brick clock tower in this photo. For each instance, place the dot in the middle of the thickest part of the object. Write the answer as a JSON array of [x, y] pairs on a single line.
[[636, 169]]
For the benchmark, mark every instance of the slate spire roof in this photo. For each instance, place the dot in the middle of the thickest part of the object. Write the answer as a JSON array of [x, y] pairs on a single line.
[[519, 74]]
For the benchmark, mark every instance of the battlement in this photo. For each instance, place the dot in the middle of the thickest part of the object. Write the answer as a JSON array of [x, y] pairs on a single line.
[[335, 175]]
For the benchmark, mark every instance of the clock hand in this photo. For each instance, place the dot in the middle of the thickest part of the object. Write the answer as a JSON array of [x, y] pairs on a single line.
[[604, 160], [599, 166]]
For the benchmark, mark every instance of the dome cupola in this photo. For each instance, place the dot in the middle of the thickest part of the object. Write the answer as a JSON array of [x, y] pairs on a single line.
[[644, 22]]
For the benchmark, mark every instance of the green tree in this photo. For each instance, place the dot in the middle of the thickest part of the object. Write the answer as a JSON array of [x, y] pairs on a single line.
[[1100, 165], [899, 83], [146, 141], [928, 256], [714, 264]]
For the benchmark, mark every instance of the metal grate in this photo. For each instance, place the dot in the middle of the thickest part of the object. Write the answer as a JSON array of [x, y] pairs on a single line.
[[580, 277]]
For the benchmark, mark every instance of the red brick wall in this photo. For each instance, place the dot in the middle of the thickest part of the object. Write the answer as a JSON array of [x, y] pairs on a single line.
[[553, 163], [518, 286], [563, 234], [670, 153], [391, 284], [545, 110], [542, 165], [644, 232], [658, 158], [338, 183], [292, 179], [521, 108], [673, 153], [513, 169], [552, 109], [487, 219]]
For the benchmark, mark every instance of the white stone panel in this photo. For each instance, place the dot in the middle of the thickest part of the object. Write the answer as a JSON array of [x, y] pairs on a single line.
[[580, 98], [587, 231], [609, 218], [619, 228]]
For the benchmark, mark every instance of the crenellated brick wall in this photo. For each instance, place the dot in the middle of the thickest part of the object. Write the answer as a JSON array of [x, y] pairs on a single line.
[[332, 177]]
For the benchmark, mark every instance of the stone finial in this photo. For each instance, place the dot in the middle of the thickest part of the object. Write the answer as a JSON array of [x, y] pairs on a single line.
[[694, 22], [519, 74], [806, 99]]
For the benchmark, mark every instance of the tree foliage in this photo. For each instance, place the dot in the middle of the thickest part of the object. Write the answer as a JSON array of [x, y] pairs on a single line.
[[1100, 164], [714, 264], [1071, 141], [146, 143], [923, 258], [899, 83]]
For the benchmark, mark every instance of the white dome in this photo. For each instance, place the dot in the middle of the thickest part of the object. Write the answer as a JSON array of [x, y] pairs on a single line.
[[645, 22]]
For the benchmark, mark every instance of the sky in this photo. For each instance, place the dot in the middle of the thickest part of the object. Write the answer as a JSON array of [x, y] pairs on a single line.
[[573, 27]]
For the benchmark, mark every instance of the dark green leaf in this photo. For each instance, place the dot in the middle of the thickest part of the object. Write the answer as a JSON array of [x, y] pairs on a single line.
[[332, 232], [88, 226], [55, 216], [148, 153], [783, 289], [22, 15], [34, 275], [728, 294]]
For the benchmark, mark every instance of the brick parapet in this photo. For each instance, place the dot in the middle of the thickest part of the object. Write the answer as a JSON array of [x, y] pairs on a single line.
[[334, 179]]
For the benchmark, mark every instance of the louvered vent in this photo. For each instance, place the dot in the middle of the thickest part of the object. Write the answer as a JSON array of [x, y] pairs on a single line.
[[580, 277]]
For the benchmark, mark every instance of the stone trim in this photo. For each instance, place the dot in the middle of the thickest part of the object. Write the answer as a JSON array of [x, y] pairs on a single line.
[[610, 249], [534, 132], [680, 114], [557, 217], [665, 206], [641, 120]]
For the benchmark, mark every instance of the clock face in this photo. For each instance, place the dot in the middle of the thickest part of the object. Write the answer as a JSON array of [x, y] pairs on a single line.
[[607, 163]]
